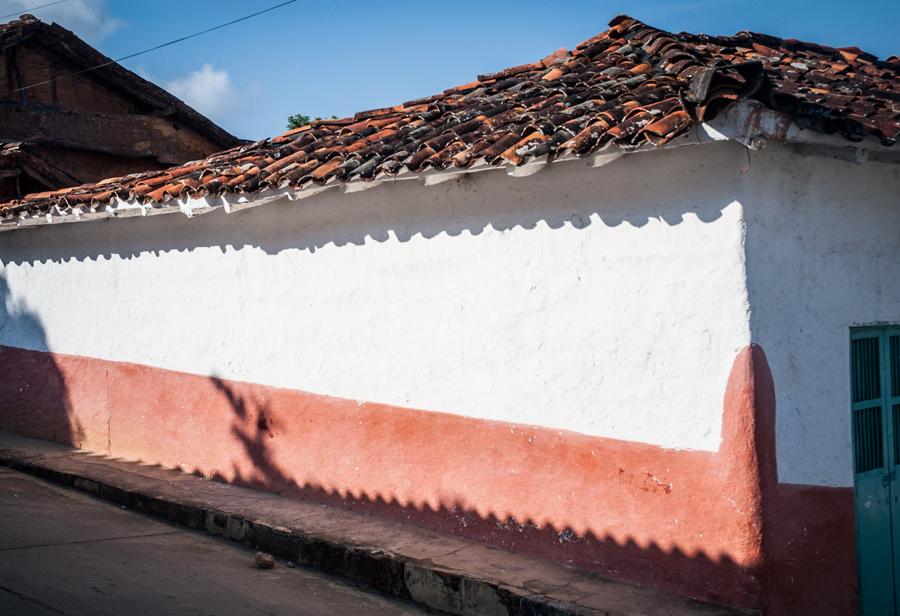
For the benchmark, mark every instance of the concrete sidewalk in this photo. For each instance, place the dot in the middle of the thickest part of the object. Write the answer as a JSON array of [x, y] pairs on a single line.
[[441, 572]]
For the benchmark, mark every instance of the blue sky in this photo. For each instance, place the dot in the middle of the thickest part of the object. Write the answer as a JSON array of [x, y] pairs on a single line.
[[324, 57]]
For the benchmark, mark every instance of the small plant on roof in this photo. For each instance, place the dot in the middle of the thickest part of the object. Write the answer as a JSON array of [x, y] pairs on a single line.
[[298, 119]]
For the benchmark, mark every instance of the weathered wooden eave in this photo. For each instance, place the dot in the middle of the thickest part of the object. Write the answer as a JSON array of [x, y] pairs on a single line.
[[80, 56]]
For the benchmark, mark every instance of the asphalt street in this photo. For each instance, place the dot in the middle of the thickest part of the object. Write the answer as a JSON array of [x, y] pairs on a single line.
[[63, 552]]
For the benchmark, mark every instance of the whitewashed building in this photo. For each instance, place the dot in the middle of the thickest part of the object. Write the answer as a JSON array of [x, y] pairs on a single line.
[[616, 308]]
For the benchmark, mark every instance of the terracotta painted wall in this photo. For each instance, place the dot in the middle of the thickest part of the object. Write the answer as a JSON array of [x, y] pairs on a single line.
[[688, 521]]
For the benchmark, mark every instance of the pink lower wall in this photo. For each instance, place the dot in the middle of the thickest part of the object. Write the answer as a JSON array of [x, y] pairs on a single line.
[[712, 525]]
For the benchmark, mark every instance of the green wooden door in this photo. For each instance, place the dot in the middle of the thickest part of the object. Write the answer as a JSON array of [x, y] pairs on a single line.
[[875, 375]]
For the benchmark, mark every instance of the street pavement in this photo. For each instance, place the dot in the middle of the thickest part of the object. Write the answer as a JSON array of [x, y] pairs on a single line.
[[63, 552]]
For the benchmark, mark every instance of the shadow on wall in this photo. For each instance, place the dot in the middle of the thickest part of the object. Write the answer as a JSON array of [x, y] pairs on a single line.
[[635, 192], [282, 440], [251, 429], [239, 433], [802, 565], [256, 426], [34, 396]]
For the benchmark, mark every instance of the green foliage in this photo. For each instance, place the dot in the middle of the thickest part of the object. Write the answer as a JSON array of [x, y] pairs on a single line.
[[298, 119]]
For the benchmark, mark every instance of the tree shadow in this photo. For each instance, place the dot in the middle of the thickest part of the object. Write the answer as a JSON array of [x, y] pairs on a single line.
[[715, 578], [34, 394], [803, 533], [252, 429]]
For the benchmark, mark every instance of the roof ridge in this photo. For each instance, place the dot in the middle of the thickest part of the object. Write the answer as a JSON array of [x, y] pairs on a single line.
[[743, 35]]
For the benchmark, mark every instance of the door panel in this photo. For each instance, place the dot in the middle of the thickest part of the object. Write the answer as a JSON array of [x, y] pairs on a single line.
[[875, 563], [892, 406], [894, 361], [875, 455]]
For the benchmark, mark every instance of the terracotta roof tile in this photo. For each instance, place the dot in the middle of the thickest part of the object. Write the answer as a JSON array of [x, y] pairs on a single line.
[[630, 85]]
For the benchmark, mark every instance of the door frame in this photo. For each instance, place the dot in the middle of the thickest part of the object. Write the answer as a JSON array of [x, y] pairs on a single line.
[[891, 452]]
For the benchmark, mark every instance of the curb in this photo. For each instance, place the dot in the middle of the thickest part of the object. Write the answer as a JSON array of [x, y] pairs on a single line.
[[421, 581]]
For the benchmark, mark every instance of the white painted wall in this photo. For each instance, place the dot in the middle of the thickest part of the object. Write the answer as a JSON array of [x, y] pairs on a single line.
[[823, 254], [606, 301]]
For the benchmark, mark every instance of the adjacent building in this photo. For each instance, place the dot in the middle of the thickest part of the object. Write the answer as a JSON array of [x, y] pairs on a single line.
[[64, 122], [634, 306]]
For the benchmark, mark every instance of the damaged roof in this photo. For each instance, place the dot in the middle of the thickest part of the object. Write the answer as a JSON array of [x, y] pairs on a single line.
[[631, 85]]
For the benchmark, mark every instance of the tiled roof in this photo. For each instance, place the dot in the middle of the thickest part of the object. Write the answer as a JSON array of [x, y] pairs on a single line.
[[631, 85]]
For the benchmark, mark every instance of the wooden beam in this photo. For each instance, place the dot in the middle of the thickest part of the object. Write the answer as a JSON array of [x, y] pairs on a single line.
[[119, 134]]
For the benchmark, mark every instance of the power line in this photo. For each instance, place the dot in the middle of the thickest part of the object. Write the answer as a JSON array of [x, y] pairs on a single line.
[[23, 11], [154, 48]]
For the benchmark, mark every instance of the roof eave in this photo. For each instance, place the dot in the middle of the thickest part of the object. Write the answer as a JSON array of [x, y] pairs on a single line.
[[754, 125], [233, 202], [80, 53], [746, 122]]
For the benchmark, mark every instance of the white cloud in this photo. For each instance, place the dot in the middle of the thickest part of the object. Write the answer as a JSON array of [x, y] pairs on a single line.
[[89, 19], [144, 72], [209, 91]]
